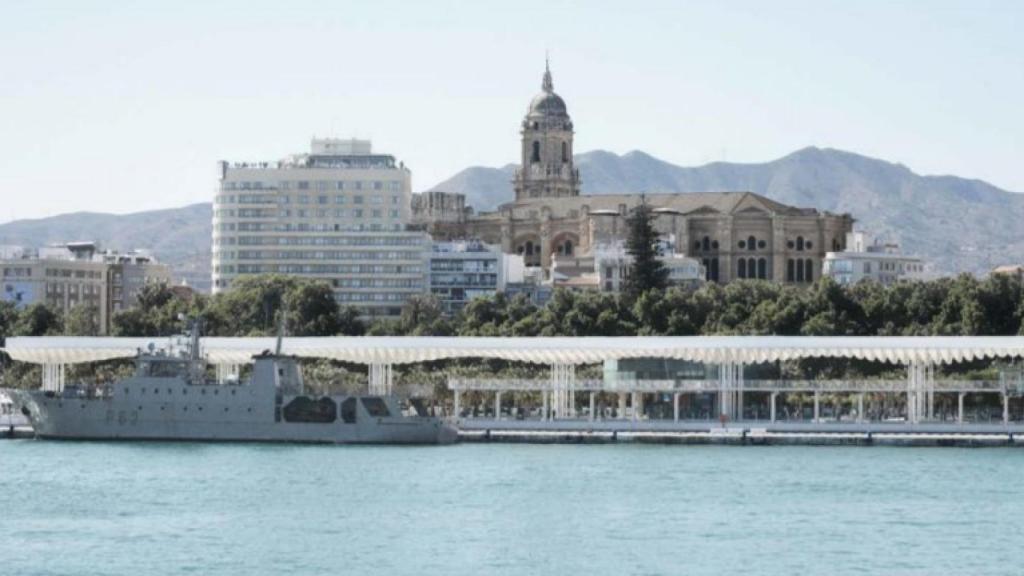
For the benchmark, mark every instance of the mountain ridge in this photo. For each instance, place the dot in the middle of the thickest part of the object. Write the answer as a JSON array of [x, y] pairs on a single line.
[[959, 224]]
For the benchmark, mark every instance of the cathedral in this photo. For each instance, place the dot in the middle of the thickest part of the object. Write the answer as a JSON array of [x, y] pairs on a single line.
[[734, 235]]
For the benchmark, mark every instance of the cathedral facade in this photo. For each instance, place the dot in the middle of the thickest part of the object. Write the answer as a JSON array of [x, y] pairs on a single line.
[[735, 235]]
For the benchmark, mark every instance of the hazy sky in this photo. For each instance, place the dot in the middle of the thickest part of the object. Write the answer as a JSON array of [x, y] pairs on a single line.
[[112, 106]]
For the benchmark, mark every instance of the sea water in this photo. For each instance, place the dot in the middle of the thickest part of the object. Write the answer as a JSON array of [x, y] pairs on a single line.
[[155, 509]]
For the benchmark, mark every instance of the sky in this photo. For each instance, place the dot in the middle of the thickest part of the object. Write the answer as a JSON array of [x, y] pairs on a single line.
[[128, 106]]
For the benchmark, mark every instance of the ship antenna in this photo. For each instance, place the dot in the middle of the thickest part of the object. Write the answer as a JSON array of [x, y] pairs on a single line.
[[280, 331]]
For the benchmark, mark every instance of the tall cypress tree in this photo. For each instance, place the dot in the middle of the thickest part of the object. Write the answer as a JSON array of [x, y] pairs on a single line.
[[647, 272]]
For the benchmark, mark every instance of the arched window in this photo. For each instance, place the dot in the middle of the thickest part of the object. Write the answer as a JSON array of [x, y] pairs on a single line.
[[751, 243], [808, 270], [568, 247], [799, 243], [714, 269], [799, 270], [762, 268], [707, 271], [565, 152], [790, 270], [742, 271], [529, 248], [535, 155], [706, 244], [751, 268]]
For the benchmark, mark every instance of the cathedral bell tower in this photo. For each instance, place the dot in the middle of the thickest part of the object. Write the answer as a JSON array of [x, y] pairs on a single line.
[[547, 170]]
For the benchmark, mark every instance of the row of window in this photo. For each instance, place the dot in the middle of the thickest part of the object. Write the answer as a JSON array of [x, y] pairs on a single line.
[[311, 269], [304, 213], [488, 280], [751, 268], [328, 255], [376, 283], [322, 200], [330, 241], [308, 227], [799, 270], [321, 185], [371, 297], [490, 265]]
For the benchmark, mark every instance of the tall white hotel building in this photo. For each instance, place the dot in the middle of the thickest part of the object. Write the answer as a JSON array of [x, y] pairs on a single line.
[[338, 214]]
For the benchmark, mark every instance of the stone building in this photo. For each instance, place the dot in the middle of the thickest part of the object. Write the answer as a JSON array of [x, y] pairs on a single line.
[[733, 234]]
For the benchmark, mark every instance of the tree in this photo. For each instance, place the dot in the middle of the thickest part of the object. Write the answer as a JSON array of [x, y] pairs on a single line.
[[312, 310], [82, 320], [38, 320], [647, 271]]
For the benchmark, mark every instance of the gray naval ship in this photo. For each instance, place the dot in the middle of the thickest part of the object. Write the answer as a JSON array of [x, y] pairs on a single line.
[[170, 398]]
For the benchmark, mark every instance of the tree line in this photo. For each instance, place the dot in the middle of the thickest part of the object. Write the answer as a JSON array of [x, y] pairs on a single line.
[[963, 305]]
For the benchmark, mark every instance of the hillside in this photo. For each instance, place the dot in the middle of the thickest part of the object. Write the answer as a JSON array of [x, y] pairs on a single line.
[[179, 237]]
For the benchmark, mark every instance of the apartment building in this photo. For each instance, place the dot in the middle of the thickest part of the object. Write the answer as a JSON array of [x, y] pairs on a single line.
[[339, 213]]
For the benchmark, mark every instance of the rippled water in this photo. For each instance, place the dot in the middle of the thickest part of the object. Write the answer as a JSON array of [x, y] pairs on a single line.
[[90, 508]]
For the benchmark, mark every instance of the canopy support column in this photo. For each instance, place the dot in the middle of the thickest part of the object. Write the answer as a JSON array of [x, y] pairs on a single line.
[[675, 407], [817, 405], [771, 409], [592, 404], [457, 404], [497, 405], [960, 408], [381, 379], [920, 391], [860, 407], [53, 377], [1006, 408], [622, 405], [563, 390], [227, 372], [730, 395]]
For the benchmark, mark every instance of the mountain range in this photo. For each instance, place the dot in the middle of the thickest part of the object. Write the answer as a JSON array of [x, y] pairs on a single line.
[[960, 225]]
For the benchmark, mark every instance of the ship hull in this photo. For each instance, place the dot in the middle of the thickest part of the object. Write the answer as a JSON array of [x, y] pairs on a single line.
[[210, 420]]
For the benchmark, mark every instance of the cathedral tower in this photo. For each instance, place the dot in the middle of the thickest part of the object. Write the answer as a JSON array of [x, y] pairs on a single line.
[[547, 169]]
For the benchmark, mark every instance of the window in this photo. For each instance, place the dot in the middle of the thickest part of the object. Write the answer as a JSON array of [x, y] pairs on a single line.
[[535, 154], [348, 411], [742, 271], [303, 185], [751, 243], [790, 270], [762, 268], [799, 243], [565, 152], [376, 407], [808, 270]]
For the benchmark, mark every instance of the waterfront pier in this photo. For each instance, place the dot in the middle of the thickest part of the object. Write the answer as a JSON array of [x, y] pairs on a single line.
[[725, 407]]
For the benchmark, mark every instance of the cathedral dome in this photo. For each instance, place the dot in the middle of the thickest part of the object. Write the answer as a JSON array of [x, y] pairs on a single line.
[[547, 103]]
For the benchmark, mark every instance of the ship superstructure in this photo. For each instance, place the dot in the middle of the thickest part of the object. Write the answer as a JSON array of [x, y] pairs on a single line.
[[170, 397]]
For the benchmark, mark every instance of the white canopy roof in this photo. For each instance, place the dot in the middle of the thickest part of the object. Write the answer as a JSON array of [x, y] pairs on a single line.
[[568, 350]]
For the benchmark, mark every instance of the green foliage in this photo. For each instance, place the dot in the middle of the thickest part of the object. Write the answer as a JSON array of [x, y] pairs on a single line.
[[82, 320], [647, 271], [38, 320], [954, 306]]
